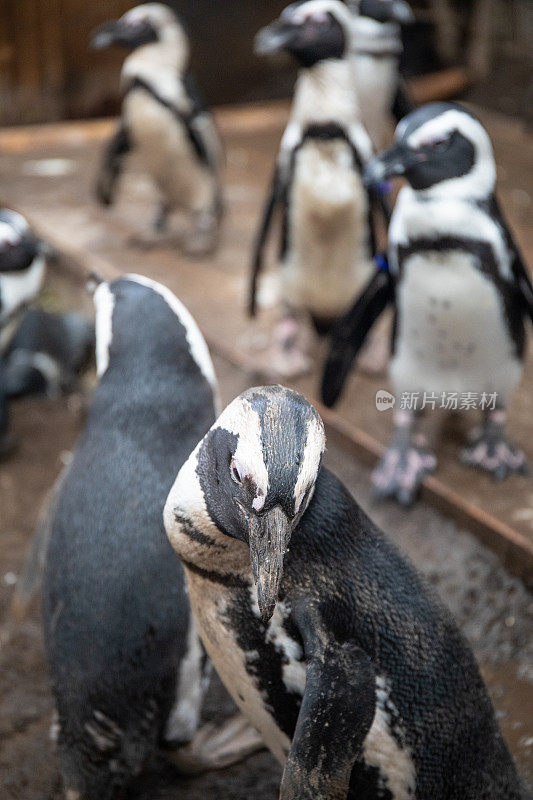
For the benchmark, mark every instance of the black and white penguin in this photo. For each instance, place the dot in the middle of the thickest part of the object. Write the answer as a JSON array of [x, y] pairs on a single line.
[[327, 231], [22, 271], [462, 294], [165, 121], [47, 353], [377, 42], [126, 666], [22, 267], [350, 668]]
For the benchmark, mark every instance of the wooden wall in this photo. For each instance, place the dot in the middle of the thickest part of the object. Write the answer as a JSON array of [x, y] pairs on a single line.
[[48, 72]]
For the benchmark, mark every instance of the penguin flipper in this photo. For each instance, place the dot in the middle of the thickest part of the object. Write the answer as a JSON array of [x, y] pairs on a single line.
[[349, 334], [117, 148], [277, 192], [337, 711], [518, 266], [201, 127]]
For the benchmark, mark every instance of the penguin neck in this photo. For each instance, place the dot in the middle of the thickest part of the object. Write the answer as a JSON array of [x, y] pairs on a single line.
[[376, 38], [158, 63], [326, 92], [193, 534]]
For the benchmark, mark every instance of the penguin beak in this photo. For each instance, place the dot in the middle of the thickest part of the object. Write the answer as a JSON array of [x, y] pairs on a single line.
[[402, 12], [392, 163], [269, 536], [274, 38], [126, 34], [106, 35]]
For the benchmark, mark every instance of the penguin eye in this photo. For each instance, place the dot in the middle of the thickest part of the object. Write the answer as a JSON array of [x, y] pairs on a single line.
[[441, 145], [236, 474]]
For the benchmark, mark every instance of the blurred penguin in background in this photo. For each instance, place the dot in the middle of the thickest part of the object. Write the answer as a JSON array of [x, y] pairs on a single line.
[[22, 271], [165, 122], [462, 295], [377, 39], [328, 238]]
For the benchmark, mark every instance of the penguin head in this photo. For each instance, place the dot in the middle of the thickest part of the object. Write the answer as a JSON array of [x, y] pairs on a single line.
[[150, 23], [13, 226], [311, 31], [384, 11], [441, 148], [252, 478], [141, 326]]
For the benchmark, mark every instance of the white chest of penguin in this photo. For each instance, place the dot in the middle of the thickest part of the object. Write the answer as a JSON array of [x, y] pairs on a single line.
[[328, 257], [452, 334], [240, 671], [163, 146]]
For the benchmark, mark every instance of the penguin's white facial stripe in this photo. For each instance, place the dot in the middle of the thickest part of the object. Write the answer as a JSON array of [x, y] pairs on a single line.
[[156, 14], [312, 458], [104, 303], [243, 421], [17, 288], [318, 11], [442, 126], [9, 235], [197, 345]]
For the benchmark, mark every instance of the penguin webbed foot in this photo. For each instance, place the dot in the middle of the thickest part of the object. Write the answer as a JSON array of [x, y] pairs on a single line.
[[495, 455], [218, 746], [401, 471]]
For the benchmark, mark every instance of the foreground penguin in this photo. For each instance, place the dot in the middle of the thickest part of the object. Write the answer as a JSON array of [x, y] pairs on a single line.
[[126, 666], [327, 230], [377, 41], [22, 271], [164, 122], [352, 671], [461, 290]]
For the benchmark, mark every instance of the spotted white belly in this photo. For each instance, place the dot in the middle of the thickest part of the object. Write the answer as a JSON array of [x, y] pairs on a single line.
[[452, 335], [166, 153], [328, 260], [209, 602]]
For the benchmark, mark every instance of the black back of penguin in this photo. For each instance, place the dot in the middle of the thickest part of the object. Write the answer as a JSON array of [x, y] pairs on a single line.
[[116, 616], [431, 703]]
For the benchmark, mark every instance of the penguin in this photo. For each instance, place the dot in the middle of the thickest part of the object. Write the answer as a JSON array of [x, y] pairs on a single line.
[[22, 271], [165, 122], [47, 353], [461, 291], [22, 267], [328, 239], [126, 666], [352, 670], [377, 37]]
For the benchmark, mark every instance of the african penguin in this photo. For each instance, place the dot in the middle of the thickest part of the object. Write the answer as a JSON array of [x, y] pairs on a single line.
[[165, 122], [461, 290], [127, 669], [377, 41], [22, 267], [22, 270], [47, 353], [327, 639], [327, 230]]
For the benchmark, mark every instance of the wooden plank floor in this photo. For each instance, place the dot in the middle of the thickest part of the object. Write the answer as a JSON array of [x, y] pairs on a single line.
[[48, 173]]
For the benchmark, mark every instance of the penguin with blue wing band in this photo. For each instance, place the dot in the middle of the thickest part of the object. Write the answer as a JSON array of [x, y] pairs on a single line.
[[462, 292], [328, 237], [350, 668], [165, 121]]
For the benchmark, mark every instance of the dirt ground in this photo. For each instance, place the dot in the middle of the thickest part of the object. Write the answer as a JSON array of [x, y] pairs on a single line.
[[494, 611]]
